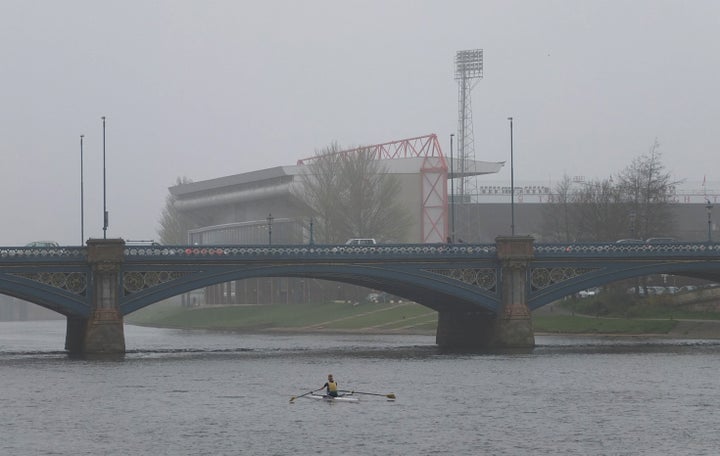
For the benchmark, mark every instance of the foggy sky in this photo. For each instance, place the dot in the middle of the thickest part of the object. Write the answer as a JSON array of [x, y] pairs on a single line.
[[205, 89]]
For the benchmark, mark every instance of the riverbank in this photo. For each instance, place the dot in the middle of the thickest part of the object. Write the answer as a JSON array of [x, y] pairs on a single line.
[[399, 318], [332, 317]]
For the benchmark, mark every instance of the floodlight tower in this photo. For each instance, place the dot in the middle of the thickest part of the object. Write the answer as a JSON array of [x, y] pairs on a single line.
[[468, 70]]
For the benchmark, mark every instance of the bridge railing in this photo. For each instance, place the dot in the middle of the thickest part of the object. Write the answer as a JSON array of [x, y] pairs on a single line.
[[541, 250], [316, 250], [43, 254], [643, 249]]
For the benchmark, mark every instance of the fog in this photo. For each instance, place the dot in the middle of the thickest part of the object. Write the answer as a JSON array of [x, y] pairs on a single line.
[[205, 89]]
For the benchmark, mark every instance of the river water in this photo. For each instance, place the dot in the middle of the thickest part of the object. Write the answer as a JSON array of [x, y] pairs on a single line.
[[208, 393]]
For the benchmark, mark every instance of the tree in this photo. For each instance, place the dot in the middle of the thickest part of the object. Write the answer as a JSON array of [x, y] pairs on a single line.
[[600, 214], [351, 196], [584, 212], [174, 226], [648, 190], [557, 225]]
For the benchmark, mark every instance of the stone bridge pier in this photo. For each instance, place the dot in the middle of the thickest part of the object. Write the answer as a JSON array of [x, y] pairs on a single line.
[[512, 326], [102, 332]]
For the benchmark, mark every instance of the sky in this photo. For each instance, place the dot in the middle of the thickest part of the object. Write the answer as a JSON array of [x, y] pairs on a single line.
[[205, 89]]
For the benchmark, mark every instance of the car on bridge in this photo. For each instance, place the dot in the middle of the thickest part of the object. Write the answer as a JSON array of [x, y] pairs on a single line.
[[660, 240], [359, 241], [42, 244]]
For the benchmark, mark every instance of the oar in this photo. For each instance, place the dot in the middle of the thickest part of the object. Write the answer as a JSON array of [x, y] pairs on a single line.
[[295, 397], [390, 396]]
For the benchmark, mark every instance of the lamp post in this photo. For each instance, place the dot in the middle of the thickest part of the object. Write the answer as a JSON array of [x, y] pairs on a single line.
[[512, 182], [105, 212], [82, 195], [269, 224], [633, 218], [312, 239], [709, 213], [452, 192]]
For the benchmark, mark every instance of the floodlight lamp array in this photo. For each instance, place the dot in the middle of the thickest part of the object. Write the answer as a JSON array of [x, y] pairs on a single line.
[[469, 64]]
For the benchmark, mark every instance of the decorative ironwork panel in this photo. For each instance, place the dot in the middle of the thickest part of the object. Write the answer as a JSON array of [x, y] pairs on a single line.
[[544, 277], [484, 278], [73, 282], [140, 280]]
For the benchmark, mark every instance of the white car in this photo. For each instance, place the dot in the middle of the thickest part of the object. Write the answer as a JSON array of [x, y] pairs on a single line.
[[42, 244], [361, 241], [588, 293]]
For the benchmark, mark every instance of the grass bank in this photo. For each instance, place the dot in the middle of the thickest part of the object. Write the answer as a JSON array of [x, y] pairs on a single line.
[[404, 318], [576, 324], [407, 318]]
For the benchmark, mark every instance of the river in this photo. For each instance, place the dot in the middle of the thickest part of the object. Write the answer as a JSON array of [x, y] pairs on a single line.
[[212, 393]]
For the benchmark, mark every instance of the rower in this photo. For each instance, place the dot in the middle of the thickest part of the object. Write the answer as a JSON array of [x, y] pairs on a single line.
[[331, 387]]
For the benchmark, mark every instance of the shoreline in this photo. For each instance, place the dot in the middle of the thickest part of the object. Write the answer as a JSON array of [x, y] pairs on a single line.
[[685, 329]]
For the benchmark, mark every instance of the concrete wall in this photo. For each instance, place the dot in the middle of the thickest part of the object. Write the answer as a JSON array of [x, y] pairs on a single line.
[[485, 222]]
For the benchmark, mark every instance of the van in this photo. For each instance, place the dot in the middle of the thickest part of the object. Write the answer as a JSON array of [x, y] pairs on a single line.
[[361, 241]]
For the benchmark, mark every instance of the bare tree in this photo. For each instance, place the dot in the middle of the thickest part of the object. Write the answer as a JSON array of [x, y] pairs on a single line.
[[584, 212], [174, 226], [600, 214], [557, 223], [648, 190], [351, 195]]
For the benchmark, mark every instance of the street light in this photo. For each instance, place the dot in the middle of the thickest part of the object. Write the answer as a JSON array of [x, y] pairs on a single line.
[[452, 192], [105, 212], [312, 239], [512, 182], [269, 223], [82, 196], [709, 213]]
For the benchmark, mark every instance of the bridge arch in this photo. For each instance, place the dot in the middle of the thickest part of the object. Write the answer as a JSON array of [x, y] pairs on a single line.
[[49, 297], [427, 288], [600, 274]]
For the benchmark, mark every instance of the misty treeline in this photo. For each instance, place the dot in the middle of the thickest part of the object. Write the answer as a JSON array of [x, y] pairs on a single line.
[[633, 204], [351, 196]]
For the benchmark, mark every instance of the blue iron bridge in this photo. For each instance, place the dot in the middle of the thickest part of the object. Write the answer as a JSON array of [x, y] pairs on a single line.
[[454, 279]]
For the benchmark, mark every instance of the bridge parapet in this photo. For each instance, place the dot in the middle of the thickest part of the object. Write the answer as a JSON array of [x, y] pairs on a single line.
[[54, 254], [319, 251], [645, 250]]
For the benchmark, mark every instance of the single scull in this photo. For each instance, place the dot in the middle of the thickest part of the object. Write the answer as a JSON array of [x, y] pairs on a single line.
[[346, 398]]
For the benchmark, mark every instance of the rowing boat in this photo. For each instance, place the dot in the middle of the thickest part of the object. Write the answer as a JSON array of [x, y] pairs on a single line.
[[346, 398]]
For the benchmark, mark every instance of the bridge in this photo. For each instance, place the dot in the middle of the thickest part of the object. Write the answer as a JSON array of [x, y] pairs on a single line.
[[483, 293]]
